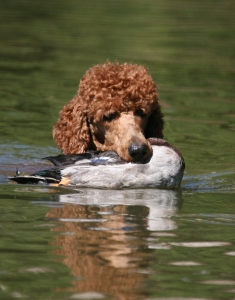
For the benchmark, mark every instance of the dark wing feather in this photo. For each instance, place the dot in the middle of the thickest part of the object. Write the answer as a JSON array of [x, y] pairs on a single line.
[[63, 159]]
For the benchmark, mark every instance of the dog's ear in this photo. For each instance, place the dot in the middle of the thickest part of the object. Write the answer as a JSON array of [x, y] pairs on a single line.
[[71, 132], [155, 124]]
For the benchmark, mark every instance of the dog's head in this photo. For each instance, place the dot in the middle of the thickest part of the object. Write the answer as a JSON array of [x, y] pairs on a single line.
[[116, 108]]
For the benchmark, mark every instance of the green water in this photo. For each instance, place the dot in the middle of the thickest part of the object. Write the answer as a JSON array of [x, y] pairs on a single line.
[[143, 244]]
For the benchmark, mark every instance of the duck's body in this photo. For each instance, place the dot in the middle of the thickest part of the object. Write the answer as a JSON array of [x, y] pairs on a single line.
[[164, 169]]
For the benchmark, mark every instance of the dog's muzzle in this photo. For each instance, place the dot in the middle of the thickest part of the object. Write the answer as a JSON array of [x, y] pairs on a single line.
[[138, 152]]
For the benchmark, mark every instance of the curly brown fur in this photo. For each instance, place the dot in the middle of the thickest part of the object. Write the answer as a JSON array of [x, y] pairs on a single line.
[[116, 108]]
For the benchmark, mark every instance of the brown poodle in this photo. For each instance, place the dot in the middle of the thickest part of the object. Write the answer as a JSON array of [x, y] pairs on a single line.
[[116, 108]]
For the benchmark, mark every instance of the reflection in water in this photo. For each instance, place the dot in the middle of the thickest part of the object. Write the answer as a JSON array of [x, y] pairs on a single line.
[[102, 236]]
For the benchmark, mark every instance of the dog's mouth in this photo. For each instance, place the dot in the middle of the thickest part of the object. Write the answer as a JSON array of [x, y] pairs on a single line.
[[135, 151]]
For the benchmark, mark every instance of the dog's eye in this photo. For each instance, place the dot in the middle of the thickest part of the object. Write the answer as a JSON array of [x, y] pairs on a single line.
[[140, 113], [110, 117]]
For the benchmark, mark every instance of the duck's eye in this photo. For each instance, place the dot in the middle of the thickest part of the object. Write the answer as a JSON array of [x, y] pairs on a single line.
[[140, 113], [110, 117]]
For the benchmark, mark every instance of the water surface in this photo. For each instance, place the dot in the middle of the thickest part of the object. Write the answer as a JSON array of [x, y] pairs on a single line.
[[131, 244]]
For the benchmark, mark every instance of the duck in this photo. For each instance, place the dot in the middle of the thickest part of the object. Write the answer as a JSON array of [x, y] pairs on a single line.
[[164, 169]]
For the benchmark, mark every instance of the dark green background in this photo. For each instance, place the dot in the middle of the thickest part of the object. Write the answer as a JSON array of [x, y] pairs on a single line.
[[189, 48]]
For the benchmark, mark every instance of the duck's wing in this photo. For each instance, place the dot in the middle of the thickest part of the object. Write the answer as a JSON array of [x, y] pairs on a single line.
[[87, 158], [64, 160], [44, 177]]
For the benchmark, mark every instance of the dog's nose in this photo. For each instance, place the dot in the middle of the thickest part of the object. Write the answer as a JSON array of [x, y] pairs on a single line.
[[137, 152]]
